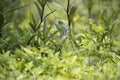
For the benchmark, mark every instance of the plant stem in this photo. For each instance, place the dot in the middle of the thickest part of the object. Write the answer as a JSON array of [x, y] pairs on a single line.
[[42, 16], [68, 17], [41, 20]]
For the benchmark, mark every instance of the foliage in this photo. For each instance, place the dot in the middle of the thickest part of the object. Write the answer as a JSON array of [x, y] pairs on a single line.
[[28, 64], [56, 40]]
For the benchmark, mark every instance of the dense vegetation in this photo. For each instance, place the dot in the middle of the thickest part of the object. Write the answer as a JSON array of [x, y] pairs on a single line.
[[59, 40]]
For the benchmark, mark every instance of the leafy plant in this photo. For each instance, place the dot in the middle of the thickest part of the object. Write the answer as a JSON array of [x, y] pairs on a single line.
[[44, 33], [4, 12], [55, 50]]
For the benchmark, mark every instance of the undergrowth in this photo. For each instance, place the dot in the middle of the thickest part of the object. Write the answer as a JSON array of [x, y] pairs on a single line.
[[59, 40]]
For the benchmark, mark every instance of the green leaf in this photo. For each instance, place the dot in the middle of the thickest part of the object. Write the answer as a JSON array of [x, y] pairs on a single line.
[[50, 13], [39, 1], [14, 9], [51, 35], [38, 8], [90, 38], [44, 28], [40, 35], [72, 12], [60, 24], [32, 25], [48, 31]]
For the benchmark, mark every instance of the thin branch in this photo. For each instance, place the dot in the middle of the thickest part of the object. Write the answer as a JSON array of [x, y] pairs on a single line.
[[68, 17], [40, 22]]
